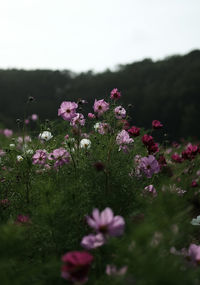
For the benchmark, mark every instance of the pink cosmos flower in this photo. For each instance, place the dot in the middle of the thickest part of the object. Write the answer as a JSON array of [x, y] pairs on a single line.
[[106, 223], [21, 219], [100, 107], [40, 156], [134, 131], [26, 121], [156, 124], [194, 253], [176, 157], [147, 140], [93, 241], [8, 133], [61, 156], [34, 117], [76, 266], [103, 128], [120, 112], [67, 110], [153, 148], [123, 139], [77, 120], [115, 94], [190, 152], [91, 116], [150, 190], [194, 183], [149, 165]]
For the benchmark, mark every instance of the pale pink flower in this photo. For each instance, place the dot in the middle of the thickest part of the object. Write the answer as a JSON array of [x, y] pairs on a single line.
[[40, 156], [78, 120], [61, 156], [2, 152], [93, 241], [194, 253], [150, 190], [34, 117], [149, 165], [8, 133], [67, 110], [100, 107], [103, 128], [123, 140], [106, 223], [120, 112]]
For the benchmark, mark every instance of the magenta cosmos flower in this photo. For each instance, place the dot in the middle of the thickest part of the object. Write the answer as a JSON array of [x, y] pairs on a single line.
[[149, 165], [134, 131], [76, 266], [156, 124], [40, 156], [61, 156], [67, 110], [21, 219], [100, 107], [106, 223], [120, 112], [115, 94]]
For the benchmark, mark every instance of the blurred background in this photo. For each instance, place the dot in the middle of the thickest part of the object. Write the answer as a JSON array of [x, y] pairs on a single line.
[[69, 49]]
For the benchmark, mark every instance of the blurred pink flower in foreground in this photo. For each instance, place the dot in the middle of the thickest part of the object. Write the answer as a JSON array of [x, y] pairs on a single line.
[[76, 266], [8, 133], [21, 219], [106, 223], [34, 117]]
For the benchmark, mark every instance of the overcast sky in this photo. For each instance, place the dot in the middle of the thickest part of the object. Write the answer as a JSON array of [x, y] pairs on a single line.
[[82, 35]]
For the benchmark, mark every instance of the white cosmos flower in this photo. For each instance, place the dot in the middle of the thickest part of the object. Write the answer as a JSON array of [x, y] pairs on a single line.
[[196, 222], [85, 143], [19, 158], [12, 145], [46, 136], [96, 126]]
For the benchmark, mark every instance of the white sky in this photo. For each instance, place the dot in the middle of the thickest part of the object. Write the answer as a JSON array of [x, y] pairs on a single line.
[[94, 34]]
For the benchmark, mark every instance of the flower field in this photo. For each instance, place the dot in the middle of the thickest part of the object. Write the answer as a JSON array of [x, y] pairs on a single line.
[[92, 199]]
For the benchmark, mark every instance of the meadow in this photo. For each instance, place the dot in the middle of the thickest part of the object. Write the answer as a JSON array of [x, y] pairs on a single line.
[[92, 199]]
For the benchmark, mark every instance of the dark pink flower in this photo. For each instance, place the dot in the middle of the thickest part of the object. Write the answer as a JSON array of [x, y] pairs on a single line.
[[21, 219], [26, 121], [40, 156], [194, 183], [115, 94], [93, 241], [176, 157], [147, 140], [100, 107], [149, 165], [67, 110], [153, 148], [76, 266], [134, 131], [190, 152], [106, 223], [156, 124], [162, 161]]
